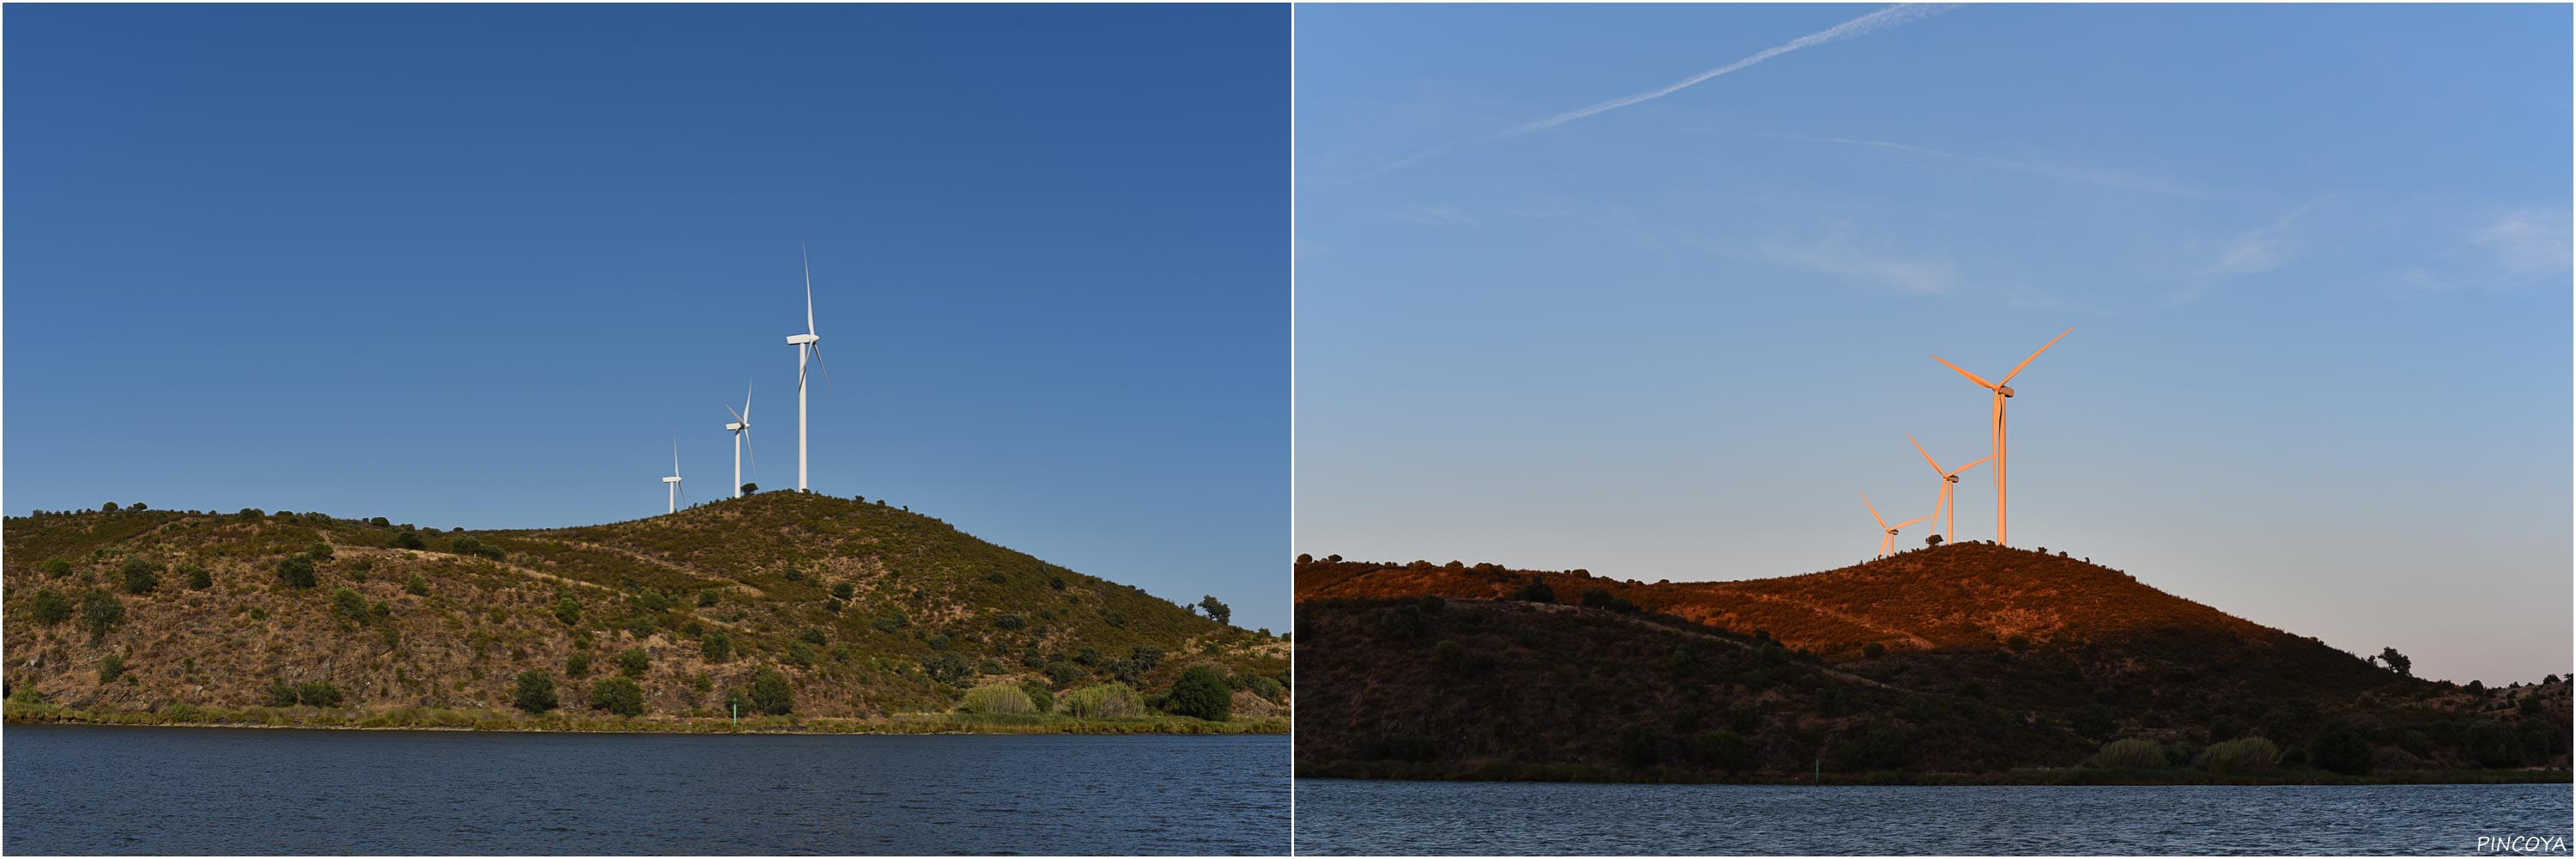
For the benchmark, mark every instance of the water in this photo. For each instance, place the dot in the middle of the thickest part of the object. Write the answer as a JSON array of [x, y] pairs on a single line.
[[216, 791], [1342, 817]]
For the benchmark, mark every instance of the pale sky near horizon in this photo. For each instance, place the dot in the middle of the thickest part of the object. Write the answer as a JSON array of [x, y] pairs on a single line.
[[2316, 260]]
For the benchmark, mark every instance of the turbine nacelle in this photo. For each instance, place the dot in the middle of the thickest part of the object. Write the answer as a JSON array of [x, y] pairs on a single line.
[[2005, 390], [802, 339], [670, 480], [733, 427]]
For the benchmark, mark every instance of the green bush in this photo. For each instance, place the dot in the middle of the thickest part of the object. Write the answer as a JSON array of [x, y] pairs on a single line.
[[1536, 592], [416, 586], [1040, 696], [48, 607], [347, 603], [946, 667], [101, 612], [799, 654], [1269, 689], [2247, 755], [1104, 701], [2491, 744], [2338, 747], [141, 575], [198, 578], [407, 539], [577, 664], [1216, 611], [311, 693], [536, 693], [1722, 750], [999, 698], [568, 610], [2136, 754], [706, 598], [717, 646], [770, 693], [619, 695], [110, 667], [57, 567], [2181, 754], [633, 662], [842, 591], [1879, 745], [296, 571], [469, 545], [1202, 693]]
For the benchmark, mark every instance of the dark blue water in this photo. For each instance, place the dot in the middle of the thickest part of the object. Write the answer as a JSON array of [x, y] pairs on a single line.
[[215, 791], [1340, 817]]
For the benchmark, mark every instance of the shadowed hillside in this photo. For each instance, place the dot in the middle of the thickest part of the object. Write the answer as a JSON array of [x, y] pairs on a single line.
[[1962, 658], [864, 610]]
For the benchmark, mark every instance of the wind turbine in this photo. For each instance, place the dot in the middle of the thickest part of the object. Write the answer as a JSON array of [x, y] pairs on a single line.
[[741, 427], [2003, 391], [1948, 505], [807, 344], [673, 482], [1887, 541]]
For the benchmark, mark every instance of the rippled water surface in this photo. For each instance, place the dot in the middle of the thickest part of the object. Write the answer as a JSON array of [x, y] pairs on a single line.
[[1340, 817], [149, 790]]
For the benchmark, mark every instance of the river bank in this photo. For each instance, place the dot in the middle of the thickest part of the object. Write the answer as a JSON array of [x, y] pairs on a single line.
[[438, 719]]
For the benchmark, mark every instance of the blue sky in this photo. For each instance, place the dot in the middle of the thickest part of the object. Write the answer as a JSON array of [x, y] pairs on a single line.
[[2316, 260], [476, 267]]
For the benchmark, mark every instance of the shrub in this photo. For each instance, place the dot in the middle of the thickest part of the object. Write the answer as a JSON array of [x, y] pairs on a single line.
[[946, 667], [1040, 696], [842, 591], [198, 578], [1535, 592], [812, 636], [407, 539], [717, 646], [1104, 701], [101, 612], [1722, 750], [1267, 688], [997, 698], [801, 655], [568, 610], [2181, 754], [1063, 671], [416, 586], [57, 567], [2338, 747], [706, 598], [2134, 754], [141, 575], [347, 603], [536, 691], [633, 662], [770, 693], [296, 571], [2248, 755], [891, 623], [1602, 598], [1202, 693], [319, 551], [2397, 662], [311, 693], [2491, 744], [1010, 622], [110, 667], [1878, 746], [1873, 650], [470, 545], [47, 607], [577, 664], [619, 695]]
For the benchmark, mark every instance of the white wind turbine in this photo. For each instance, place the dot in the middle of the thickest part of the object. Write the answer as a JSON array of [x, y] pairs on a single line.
[[673, 482], [1887, 541], [741, 427], [807, 345], [1948, 504]]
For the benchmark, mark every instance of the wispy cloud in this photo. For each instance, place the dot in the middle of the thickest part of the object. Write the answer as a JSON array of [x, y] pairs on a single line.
[[2251, 252], [1882, 19], [1864, 25], [2528, 242], [1838, 258], [2105, 178]]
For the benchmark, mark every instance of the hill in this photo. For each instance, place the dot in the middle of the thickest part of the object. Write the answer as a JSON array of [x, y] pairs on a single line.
[[1968, 658], [866, 611]]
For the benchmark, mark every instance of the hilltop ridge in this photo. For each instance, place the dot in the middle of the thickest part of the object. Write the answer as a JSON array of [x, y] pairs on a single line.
[[866, 610]]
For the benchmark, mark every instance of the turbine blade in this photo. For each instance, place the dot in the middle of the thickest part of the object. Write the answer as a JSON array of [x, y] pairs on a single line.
[[2034, 356], [1927, 456], [808, 256], [827, 368], [737, 416], [746, 404], [1971, 376], [1911, 521], [1980, 460], [1873, 511], [754, 455]]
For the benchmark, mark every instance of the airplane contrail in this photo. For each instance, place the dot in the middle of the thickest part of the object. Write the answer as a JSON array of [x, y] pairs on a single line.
[[1861, 26]]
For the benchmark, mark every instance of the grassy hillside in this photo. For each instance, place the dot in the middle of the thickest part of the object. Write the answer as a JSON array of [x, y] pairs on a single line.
[[866, 611], [1967, 658]]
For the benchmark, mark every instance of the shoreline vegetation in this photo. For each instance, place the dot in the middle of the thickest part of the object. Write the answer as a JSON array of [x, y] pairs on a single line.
[[2057, 777], [441, 719]]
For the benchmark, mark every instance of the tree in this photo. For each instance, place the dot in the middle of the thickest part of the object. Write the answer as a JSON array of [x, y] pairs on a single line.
[[1216, 610], [2339, 747], [199, 579], [109, 507], [619, 695], [770, 693], [347, 603], [1202, 693], [717, 646], [48, 607], [749, 488], [577, 664], [407, 539], [633, 661], [568, 610], [843, 590], [142, 575], [2397, 662], [1536, 592], [536, 691], [296, 571], [416, 586], [57, 567], [946, 667], [101, 612], [1933, 541]]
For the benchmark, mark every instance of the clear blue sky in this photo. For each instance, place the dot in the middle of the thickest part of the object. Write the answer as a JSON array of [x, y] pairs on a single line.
[[2316, 259], [476, 266]]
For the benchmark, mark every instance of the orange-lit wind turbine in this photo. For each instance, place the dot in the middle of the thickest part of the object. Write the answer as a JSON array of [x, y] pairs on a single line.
[[2003, 391], [1887, 541], [1948, 506]]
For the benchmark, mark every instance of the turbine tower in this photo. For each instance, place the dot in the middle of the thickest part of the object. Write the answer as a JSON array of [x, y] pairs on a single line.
[[1948, 506], [807, 345], [741, 427], [1887, 541], [2003, 391], [672, 482]]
